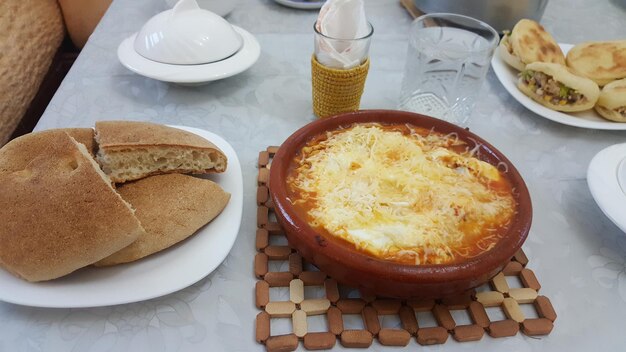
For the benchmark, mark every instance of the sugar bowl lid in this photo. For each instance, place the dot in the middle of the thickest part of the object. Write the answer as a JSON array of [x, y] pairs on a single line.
[[187, 35]]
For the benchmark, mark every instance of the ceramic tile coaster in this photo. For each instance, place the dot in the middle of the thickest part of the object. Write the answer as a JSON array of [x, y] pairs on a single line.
[[300, 304]]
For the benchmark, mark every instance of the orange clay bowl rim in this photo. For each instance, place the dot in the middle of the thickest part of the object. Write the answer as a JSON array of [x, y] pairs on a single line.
[[438, 274]]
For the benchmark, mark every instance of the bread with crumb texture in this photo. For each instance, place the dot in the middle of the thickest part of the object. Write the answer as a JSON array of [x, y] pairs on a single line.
[[131, 150]]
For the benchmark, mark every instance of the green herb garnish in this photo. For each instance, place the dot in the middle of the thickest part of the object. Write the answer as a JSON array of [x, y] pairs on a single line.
[[527, 74]]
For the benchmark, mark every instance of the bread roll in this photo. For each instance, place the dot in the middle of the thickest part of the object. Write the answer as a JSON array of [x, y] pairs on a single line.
[[133, 150], [602, 62], [505, 50], [612, 102], [58, 210], [553, 86], [172, 207], [529, 42]]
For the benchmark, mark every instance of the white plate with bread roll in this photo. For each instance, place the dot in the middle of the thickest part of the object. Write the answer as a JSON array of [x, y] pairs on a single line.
[[508, 76], [606, 178], [164, 272]]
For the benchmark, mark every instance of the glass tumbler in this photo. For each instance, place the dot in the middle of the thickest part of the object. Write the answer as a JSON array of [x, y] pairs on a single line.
[[447, 61]]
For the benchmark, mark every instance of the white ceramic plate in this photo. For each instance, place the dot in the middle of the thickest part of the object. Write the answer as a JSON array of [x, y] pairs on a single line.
[[191, 74], [302, 4], [606, 178], [584, 119], [162, 273]]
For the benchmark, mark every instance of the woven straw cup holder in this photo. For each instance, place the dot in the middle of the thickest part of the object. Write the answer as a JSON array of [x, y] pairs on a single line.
[[335, 90]]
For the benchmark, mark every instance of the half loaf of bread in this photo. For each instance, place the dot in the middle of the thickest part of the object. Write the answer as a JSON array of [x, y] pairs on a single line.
[[171, 208], [58, 210], [130, 150]]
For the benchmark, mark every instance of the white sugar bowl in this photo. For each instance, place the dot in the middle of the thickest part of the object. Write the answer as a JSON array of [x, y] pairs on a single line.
[[187, 35], [220, 7]]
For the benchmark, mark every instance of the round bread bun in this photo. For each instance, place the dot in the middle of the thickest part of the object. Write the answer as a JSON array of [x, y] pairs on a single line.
[[531, 43], [585, 86], [510, 59], [602, 62], [59, 211], [612, 97]]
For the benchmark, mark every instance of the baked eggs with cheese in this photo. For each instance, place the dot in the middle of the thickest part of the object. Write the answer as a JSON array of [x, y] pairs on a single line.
[[401, 193]]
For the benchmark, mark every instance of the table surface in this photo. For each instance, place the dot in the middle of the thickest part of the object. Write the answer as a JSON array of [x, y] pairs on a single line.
[[578, 255]]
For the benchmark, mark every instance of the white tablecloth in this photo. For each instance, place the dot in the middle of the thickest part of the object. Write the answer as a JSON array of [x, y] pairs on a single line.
[[578, 255]]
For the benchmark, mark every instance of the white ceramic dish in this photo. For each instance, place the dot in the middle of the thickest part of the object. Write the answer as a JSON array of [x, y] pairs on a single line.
[[162, 273], [584, 119], [187, 35], [302, 4], [191, 74], [220, 7], [606, 177]]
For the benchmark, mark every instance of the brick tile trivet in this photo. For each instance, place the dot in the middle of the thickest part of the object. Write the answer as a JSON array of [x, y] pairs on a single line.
[[313, 293]]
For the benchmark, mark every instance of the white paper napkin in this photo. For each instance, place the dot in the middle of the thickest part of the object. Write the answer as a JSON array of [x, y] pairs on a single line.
[[343, 19]]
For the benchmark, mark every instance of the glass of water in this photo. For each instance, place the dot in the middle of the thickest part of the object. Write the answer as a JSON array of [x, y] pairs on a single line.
[[447, 61]]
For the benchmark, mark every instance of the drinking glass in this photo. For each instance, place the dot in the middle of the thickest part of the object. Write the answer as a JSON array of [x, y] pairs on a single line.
[[447, 61], [339, 68]]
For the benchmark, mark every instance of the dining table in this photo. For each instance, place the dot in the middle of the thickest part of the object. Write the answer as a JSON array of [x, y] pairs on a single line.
[[576, 252]]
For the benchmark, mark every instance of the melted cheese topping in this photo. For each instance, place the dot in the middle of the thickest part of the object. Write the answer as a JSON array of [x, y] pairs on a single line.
[[401, 195]]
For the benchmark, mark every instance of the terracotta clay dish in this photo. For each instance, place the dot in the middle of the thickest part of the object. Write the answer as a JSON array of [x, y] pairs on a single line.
[[342, 261]]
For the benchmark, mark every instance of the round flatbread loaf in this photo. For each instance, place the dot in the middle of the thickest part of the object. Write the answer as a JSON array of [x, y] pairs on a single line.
[[58, 211], [612, 98], [172, 207], [602, 62], [531, 43], [588, 88]]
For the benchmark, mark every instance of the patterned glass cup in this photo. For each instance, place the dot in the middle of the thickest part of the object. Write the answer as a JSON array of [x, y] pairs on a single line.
[[447, 61]]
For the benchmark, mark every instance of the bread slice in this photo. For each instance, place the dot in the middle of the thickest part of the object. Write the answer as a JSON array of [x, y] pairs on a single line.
[[587, 88], [131, 150], [530, 43], [172, 207], [602, 62], [612, 102], [58, 211]]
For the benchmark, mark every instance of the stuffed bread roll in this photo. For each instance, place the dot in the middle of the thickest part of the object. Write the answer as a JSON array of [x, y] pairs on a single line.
[[505, 50], [529, 42], [612, 102], [602, 62], [553, 86]]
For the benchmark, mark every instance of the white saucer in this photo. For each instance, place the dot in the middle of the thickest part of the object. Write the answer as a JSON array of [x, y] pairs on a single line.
[[606, 178], [584, 119], [302, 4], [191, 74]]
